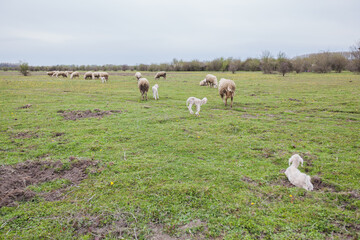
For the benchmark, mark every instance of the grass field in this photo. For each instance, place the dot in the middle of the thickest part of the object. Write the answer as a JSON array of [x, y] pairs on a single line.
[[165, 174]]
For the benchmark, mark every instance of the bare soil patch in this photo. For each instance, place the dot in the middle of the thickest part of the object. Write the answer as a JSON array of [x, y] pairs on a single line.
[[96, 113], [26, 106], [26, 134], [15, 179]]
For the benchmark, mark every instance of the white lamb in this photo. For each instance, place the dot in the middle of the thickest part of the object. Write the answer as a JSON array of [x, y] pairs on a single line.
[[296, 177], [198, 102], [103, 79], [155, 91]]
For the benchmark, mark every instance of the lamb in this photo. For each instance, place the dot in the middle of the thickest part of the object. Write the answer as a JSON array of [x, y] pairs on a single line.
[[211, 80], [74, 75], [227, 90], [88, 75], [203, 83], [143, 85], [155, 91], [193, 100], [103, 79], [160, 74], [138, 75], [296, 177]]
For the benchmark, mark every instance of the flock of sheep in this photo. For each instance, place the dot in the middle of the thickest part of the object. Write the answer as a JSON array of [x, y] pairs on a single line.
[[226, 89]]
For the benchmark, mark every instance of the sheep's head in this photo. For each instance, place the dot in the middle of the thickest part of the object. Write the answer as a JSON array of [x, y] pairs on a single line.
[[296, 160], [156, 85], [204, 100]]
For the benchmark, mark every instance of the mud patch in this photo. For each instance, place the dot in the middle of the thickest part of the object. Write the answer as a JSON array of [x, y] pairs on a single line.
[[25, 106], [15, 179], [23, 135], [96, 113], [319, 184]]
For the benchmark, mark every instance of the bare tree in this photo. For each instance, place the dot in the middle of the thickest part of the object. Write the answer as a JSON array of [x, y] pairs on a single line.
[[355, 58], [267, 62]]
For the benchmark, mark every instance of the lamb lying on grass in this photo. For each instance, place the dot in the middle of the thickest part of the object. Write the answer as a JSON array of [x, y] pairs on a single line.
[[296, 177], [155, 91], [193, 100]]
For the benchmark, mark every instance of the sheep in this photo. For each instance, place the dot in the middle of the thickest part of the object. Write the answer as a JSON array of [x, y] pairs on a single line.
[[203, 83], [104, 74], [143, 85], [95, 75], [193, 100], [138, 75], [103, 79], [155, 91], [227, 90], [55, 73], [160, 74], [50, 73], [68, 73], [74, 75], [60, 73], [88, 75], [296, 177], [211, 80]]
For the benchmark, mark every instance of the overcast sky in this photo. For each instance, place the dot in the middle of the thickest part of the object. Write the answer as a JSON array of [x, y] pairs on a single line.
[[82, 32]]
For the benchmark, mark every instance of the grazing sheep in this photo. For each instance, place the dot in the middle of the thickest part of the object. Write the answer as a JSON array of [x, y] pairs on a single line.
[[95, 75], [143, 85], [296, 177], [155, 91], [55, 73], [50, 73], [160, 74], [74, 75], [68, 73], [60, 73], [193, 100], [103, 79], [88, 75], [104, 74], [138, 75], [203, 83], [227, 90], [211, 80]]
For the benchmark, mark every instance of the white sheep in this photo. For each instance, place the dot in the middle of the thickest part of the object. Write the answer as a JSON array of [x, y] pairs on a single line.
[[160, 74], [74, 75], [227, 89], [95, 75], [198, 102], [138, 75], [203, 83], [103, 79], [296, 177], [211, 80], [88, 75], [155, 91], [143, 85], [50, 73], [68, 73], [104, 74]]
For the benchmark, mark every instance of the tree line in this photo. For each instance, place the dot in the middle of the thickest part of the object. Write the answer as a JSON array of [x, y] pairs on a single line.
[[319, 63]]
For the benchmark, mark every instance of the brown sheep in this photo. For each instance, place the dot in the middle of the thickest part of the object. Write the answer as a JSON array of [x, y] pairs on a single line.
[[227, 90], [143, 85], [160, 74]]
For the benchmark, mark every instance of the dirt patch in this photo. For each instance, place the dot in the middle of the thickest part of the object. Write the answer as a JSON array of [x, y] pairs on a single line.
[[15, 179], [27, 134], [294, 99], [96, 113], [26, 106], [319, 184], [57, 134]]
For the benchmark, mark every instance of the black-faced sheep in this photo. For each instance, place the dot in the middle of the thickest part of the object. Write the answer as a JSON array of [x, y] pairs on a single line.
[[227, 90], [296, 177], [160, 74], [88, 75], [211, 80], [138, 75], [198, 102], [143, 85]]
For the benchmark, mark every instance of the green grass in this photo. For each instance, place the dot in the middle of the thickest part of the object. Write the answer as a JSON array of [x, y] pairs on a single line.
[[170, 168]]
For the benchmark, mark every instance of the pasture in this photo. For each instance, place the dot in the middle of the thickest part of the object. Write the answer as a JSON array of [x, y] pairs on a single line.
[[153, 171]]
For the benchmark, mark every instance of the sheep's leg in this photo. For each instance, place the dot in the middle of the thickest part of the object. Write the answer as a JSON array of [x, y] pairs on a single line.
[[225, 101], [197, 109], [231, 102], [190, 106], [157, 94]]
